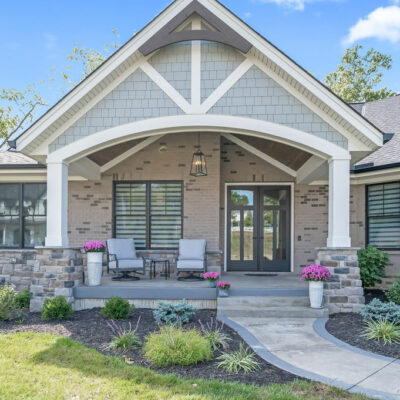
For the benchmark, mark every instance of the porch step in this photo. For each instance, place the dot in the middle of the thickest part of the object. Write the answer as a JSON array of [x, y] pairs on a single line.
[[263, 307]]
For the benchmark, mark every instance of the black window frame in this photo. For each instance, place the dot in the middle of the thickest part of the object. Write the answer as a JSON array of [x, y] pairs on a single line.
[[21, 215], [148, 184], [367, 217]]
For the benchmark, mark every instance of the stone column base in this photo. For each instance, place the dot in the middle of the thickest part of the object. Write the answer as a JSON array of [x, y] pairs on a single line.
[[56, 272], [344, 291]]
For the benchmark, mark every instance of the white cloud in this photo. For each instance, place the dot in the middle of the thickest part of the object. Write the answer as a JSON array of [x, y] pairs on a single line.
[[247, 15], [294, 4], [382, 23]]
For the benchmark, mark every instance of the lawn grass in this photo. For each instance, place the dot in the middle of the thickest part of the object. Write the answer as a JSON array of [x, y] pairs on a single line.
[[43, 366]]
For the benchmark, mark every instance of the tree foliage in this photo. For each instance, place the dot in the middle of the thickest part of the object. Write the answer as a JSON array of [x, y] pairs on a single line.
[[358, 75]]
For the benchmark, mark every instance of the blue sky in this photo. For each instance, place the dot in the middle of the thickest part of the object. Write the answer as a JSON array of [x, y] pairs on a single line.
[[37, 35]]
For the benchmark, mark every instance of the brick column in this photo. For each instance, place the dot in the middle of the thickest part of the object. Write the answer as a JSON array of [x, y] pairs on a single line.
[[55, 273], [344, 292]]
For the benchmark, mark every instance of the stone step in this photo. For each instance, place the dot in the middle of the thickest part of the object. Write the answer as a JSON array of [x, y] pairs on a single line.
[[263, 301], [275, 312]]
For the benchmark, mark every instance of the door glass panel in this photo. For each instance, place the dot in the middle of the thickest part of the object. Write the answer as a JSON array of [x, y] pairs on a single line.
[[242, 197], [268, 234], [248, 227], [281, 235], [275, 197], [235, 235]]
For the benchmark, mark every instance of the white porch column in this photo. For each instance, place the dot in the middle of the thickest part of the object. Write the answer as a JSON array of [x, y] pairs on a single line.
[[339, 203], [57, 205]]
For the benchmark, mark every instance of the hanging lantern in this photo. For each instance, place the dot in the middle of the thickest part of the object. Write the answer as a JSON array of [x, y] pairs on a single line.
[[198, 167]]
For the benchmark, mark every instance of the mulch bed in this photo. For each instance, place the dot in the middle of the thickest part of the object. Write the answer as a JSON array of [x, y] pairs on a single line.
[[349, 327], [90, 328]]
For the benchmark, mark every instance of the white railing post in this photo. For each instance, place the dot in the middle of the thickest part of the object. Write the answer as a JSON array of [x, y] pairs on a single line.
[[339, 203], [57, 205]]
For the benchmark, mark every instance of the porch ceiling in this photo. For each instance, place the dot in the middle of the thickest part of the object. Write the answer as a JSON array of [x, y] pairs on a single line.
[[290, 156], [104, 156]]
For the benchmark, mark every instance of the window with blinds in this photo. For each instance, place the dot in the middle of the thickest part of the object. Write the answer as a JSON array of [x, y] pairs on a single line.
[[150, 212], [383, 214]]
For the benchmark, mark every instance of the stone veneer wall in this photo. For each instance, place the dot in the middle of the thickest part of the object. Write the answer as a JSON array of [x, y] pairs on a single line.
[[45, 272], [344, 292]]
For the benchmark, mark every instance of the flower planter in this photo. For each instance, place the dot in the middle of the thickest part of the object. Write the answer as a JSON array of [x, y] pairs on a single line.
[[212, 284], [94, 268], [223, 292], [316, 293]]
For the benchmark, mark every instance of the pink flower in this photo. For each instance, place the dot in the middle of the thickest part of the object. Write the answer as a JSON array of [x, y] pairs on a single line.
[[315, 272], [211, 276], [224, 285], [94, 246]]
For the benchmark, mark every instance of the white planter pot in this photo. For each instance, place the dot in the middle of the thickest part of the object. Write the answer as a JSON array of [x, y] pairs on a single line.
[[212, 284], [316, 293], [94, 268], [223, 293]]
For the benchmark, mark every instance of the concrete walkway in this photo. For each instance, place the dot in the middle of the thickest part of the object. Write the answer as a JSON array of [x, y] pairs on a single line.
[[303, 346]]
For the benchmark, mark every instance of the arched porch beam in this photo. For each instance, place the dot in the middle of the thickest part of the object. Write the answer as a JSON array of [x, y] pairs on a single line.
[[198, 123]]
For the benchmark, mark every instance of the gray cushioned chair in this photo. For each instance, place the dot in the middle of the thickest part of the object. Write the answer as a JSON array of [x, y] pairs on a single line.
[[122, 259], [192, 258]]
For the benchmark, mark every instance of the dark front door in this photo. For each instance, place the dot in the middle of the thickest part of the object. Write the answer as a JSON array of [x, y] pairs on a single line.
[[258, 228]]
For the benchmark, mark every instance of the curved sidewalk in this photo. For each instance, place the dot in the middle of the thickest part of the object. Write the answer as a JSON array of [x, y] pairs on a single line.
[[303, 347]]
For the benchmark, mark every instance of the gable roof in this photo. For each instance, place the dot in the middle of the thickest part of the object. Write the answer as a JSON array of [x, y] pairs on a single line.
[[13, 159], [313, 91], [385, 114]]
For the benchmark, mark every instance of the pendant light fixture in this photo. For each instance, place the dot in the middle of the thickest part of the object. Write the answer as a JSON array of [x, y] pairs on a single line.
[[198, 167]]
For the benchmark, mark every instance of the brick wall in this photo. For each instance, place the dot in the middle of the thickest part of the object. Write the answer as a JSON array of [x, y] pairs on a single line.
[[90, 203]]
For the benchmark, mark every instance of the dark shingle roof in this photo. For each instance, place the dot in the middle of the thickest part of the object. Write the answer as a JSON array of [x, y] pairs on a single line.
[[385, 114]]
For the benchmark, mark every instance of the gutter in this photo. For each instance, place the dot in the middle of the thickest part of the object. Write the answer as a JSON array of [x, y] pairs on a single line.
[[375, 168], [22, 166]]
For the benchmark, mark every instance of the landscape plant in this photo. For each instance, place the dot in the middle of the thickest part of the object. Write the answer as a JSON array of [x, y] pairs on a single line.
[[9, 307], [224, 285], [315, 273], [175, 314], [241, 360], [382, 329], [124, 339], [377, 310], [393, 293], [173, 345], [24, 299], [56, 308], [117, 308], [94, 246], [372, 263], [213, 332], [211, 276]]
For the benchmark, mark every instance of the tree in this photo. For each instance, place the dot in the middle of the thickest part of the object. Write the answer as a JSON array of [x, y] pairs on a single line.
[[17, 109], [358, 75]]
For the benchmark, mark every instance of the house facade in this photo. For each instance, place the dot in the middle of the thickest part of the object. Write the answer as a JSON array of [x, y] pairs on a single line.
[[114, 158]]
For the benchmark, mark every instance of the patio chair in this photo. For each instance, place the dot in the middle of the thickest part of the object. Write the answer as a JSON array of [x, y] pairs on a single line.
[[122, 259], [192, 258]]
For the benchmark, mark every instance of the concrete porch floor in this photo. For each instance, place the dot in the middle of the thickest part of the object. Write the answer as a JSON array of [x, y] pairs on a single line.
[[239, 280]]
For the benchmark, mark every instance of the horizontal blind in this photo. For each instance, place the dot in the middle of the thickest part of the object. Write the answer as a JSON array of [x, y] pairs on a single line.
[[130, 212], [384, 215], [165, 215]]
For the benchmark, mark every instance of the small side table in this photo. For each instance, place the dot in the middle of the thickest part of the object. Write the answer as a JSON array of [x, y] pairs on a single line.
[[166, 268]]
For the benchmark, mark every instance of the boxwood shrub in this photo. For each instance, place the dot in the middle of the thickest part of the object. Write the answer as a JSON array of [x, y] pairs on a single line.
[[117, 308], [56, 308]]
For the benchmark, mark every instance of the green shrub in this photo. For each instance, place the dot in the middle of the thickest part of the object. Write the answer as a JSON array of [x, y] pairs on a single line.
[[239, 360], [117, 308], [382, 329], [56, 308], [24, 299], [124, 339], [372, 264], [173, 345], [377, 310], [8, 303], [168, 313], [393, 293]]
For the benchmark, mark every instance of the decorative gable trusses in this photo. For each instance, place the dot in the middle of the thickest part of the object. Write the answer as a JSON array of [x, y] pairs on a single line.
[[208, 21], [222, 33]]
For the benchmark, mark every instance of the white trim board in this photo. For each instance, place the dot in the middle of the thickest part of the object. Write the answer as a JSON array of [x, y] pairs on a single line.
[[292, 209]]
